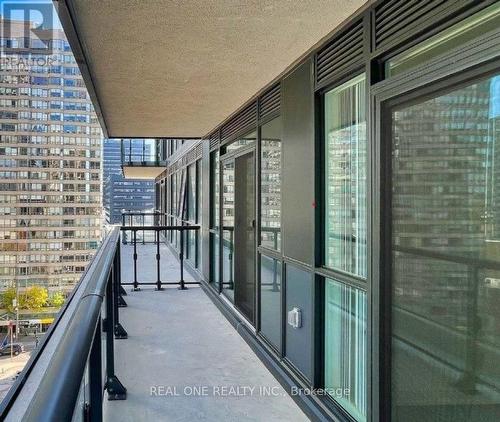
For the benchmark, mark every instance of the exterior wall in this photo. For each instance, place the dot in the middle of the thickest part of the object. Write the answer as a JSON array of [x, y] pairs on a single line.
[[50, 167]]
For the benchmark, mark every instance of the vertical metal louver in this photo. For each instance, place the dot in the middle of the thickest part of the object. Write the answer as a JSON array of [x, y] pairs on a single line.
[[246, 119], [397, 20], [270, 102], [340, 55]]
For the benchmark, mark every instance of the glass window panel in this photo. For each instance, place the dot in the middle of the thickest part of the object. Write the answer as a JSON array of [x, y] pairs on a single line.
[[446, 256], [345, 177], [214, 170], [191, 212], [270, 185], [214, 217], [270, 300], [228, 229], [199, 211], [243, 141], [345, 346], [192, 193], [453, 37], [214, 256]]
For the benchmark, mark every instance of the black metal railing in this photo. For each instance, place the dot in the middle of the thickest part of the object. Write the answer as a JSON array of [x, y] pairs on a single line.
[[158, 230], [141, 219], [470, 334], [76, 355]]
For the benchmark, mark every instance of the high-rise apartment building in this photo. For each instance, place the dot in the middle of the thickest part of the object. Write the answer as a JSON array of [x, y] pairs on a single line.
[[121, 194], [50, 170]]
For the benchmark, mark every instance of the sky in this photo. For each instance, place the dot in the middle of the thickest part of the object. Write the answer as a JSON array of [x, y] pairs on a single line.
[[31, 6]]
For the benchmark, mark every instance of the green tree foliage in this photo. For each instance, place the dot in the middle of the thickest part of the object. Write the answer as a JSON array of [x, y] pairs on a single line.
[[57, 299], [7, 297], [34, 298]]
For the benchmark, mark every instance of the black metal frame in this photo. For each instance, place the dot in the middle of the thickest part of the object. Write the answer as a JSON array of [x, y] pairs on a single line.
[[156, 230], [129, 215], [275, 254], [321, 271]]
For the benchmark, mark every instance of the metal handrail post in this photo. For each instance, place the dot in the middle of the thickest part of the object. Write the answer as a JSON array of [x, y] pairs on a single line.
[[143, 232], [136, 284], [158, 280], [181, 259]]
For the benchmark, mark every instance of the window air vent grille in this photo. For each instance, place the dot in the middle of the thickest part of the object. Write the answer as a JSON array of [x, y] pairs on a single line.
[[340, 55], [270, 102], [243, 121], [398, 20]]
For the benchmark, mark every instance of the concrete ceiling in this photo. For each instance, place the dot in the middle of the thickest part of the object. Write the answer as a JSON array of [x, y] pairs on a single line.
[[178, 68]]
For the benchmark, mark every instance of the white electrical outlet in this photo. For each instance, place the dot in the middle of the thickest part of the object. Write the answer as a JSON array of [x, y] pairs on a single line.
[[295, 317]]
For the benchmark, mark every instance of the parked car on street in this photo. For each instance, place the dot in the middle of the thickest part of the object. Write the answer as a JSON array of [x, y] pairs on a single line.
[[16, 349]]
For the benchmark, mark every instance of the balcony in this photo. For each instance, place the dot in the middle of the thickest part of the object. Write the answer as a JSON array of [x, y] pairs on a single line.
[[157, 362], [141, 159]]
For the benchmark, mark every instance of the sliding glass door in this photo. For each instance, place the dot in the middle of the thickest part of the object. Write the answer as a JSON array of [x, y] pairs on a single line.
[[445, 253]]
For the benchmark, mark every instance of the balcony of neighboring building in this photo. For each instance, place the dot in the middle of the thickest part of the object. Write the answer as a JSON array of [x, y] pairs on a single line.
[[141, 159]]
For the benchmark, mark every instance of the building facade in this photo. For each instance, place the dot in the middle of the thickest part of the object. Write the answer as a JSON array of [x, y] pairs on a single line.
[[120, 194], [350, 218], [50, 163]]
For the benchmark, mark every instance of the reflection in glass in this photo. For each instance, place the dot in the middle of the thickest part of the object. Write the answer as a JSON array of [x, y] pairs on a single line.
[[270, 188], [214, 173], [199, 212], [242, 141], [345, 177], [345, 346], [228, 229], [191, 212], [270, 302], [214, 256], [446, 256], [214, 218], [175, 198]]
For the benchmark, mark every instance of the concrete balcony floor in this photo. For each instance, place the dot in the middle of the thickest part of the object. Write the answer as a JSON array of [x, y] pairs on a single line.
[[179, 340]]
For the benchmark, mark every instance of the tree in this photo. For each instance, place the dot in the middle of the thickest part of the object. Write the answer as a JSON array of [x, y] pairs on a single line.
[[34, 298], [57, 299], [7, 297]]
